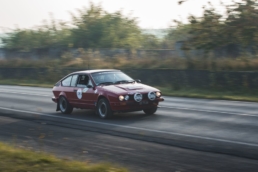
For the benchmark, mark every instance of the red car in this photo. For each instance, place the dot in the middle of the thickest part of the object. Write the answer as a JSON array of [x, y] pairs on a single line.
[[106, 91]]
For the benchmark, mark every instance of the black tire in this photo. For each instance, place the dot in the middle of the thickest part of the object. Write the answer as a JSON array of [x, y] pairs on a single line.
[[150, 111], [103, 109], [64, 105]]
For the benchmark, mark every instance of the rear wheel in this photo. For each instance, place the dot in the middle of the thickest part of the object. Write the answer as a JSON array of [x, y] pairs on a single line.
[[150, 111], [64, 105], [103, 109]]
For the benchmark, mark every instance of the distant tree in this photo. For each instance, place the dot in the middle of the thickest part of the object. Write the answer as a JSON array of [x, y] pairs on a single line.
[[96, 28], [206, 32], [150, 41], [239, 26], [92, 27], [181, 2], [175, 34], [242, 22], [44, 36]]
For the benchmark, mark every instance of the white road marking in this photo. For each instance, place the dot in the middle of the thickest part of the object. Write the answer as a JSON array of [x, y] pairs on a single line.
[[138, 128], [212, 111], [31, 94]]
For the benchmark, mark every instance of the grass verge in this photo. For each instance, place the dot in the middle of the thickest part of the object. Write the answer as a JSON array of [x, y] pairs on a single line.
[[240, 95], [24, 82], [20, 160]]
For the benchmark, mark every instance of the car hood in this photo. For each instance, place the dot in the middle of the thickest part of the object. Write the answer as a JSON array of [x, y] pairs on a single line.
[[129, 88]]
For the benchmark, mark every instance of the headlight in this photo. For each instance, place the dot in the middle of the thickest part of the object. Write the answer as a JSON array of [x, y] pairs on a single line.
[[121, 98], [152, 95], [158, 94], [138, 97], [126, 97]]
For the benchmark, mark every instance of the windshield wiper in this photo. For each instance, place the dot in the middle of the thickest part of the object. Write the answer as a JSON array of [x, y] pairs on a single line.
[[124, 81], [106, 83]]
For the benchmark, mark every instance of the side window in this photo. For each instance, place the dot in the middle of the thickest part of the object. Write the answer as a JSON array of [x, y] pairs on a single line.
[[67, 81], [83, 81], [74, 80]]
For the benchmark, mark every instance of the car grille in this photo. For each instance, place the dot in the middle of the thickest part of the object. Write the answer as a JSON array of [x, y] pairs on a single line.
[[144, 97]]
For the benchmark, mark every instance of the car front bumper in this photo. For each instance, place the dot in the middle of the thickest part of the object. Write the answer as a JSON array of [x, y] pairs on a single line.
[[54, 99], [127, 106]]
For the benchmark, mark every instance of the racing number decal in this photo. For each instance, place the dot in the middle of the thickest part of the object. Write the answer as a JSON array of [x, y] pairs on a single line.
[[79, 93]]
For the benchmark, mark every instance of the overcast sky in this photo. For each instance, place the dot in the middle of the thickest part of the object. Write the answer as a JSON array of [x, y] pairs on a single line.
[[151, 14]]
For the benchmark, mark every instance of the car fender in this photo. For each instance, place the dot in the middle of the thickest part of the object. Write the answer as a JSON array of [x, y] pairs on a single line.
[[62, 94], [101, 94], [111, 97]]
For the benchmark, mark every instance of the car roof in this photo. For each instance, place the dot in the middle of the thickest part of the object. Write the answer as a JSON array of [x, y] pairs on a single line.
[[95, 71]]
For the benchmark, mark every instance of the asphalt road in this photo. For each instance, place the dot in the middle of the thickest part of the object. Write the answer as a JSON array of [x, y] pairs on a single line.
[[184, 135]]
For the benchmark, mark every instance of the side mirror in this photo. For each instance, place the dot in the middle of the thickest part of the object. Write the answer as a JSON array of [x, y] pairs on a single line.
[[138, 80], [89, 86]]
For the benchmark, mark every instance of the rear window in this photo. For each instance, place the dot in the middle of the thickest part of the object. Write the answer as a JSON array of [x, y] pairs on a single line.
[[67, 81]]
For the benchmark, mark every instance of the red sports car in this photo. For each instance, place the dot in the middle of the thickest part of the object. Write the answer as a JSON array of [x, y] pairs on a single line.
[[106, 91]]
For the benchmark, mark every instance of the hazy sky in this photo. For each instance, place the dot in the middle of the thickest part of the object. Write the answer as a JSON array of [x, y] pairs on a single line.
[[150, 13]]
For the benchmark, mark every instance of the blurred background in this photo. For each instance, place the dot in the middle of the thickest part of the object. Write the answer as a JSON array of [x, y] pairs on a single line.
[[179, 45]]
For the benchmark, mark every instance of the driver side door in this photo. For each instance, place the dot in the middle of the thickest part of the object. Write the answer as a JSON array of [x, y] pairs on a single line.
[[80, 91]]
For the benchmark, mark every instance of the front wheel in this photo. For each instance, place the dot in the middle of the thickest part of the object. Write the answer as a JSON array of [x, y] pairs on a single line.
[[103, 109], [150, 111], [64, 105]]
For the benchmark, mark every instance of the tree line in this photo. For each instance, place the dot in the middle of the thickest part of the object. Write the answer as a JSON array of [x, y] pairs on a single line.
[[236, 30], [93, 27]]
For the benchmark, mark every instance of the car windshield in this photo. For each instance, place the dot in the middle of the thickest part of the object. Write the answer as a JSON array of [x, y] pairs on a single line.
[[111, 78]]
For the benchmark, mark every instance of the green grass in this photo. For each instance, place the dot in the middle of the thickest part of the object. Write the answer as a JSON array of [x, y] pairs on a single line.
[[240, 95], [24, 82], [20, 160]]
